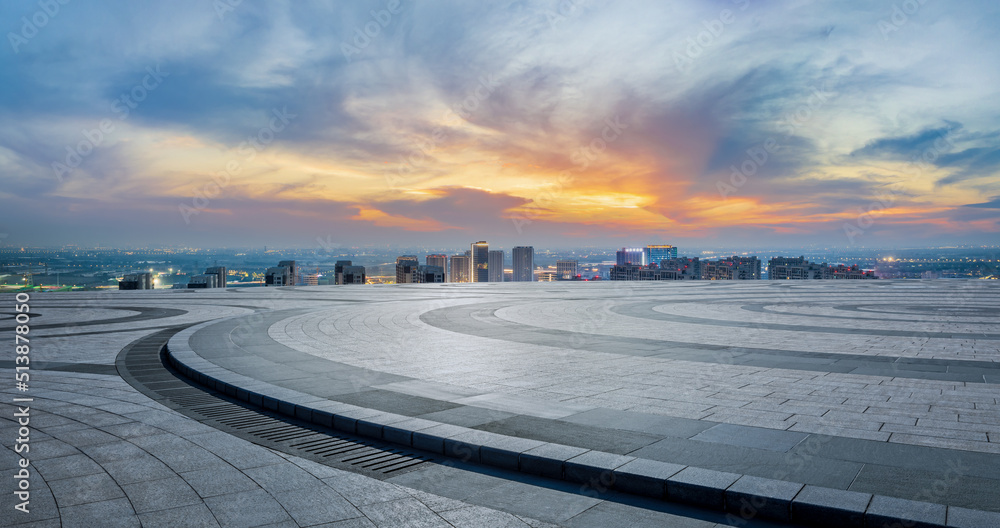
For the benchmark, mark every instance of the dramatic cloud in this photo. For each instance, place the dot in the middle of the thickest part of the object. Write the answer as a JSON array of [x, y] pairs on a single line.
[[550, 122]]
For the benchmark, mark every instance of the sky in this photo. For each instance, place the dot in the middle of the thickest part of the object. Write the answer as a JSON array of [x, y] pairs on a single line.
[[222, 123]]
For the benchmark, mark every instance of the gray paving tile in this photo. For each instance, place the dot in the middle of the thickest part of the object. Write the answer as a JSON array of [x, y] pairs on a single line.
[[218, 481], [403, 512], [614, 514], [85, 489], [476, 517], [132, 470], [246, 508], [361, 490], [108, 513], [558, 432], [68, 466], [282, 477], [195, 516], [538, 503], [753, 437], [890, 510], [315, 505], [153, 495]]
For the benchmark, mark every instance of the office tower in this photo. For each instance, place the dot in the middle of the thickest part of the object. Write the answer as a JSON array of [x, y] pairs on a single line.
[[220, 272], [406, 269], [440, 261], [352, 275], [566, 269], [208, 280], [428, 274], [338, 271], [479, 269], [495, 265], [136, 281], [277, 276], [310, 279], [460, 267], [293, 271], [523, 260], [631, 256], [653, 254]]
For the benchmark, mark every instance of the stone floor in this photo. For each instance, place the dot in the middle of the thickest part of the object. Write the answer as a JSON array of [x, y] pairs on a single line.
[[886, 387]]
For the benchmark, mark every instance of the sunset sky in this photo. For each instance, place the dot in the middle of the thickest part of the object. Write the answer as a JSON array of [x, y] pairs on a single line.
[[553, 123]]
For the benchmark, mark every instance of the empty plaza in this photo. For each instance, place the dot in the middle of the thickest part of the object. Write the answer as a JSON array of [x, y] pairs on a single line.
[[516, 404]]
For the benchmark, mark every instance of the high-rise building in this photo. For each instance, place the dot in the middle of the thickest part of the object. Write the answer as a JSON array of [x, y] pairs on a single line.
[[683, 268], [220, 272], [136, 281], [208, 280], [440, 261], [653, 254], [631, 256], [338, 271], [495, 265], [278, 276], [732, 268], [429, 274], [523, 260], [460, 268], [406, 269], [293, 271], [566, 269], [479, 270], [352, 275]]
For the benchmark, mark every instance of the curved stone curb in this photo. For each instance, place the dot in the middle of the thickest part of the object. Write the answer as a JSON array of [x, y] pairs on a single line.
[[744, 497]]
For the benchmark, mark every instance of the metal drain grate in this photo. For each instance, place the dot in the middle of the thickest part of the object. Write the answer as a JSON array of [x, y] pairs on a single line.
[[142, 366]]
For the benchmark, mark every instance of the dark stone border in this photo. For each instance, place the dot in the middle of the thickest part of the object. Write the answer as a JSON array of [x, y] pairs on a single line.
[[742, 496]]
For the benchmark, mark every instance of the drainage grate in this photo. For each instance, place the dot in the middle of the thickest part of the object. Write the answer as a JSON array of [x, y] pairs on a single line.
[[141, 365]]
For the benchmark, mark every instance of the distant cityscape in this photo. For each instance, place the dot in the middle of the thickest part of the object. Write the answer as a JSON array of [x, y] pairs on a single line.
[[72, 268]]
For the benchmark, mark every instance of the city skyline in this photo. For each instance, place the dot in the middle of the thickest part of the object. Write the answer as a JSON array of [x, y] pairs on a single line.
[[742, 123]]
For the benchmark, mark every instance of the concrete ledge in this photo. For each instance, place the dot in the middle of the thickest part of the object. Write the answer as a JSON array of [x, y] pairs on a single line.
[[742, 495], [750, 497], [701, 487]]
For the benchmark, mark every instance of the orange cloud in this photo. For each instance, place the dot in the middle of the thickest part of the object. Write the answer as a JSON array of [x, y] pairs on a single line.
[[382, 219]]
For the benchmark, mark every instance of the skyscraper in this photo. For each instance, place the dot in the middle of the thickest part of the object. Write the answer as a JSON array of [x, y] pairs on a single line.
[[630, 256], [338, 271], [653, 254], [523, 259], [479, 270], [460, 265], [406, 269], [220, 273], [566, 269], [440, 261], [293, 272], [495, 265]]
